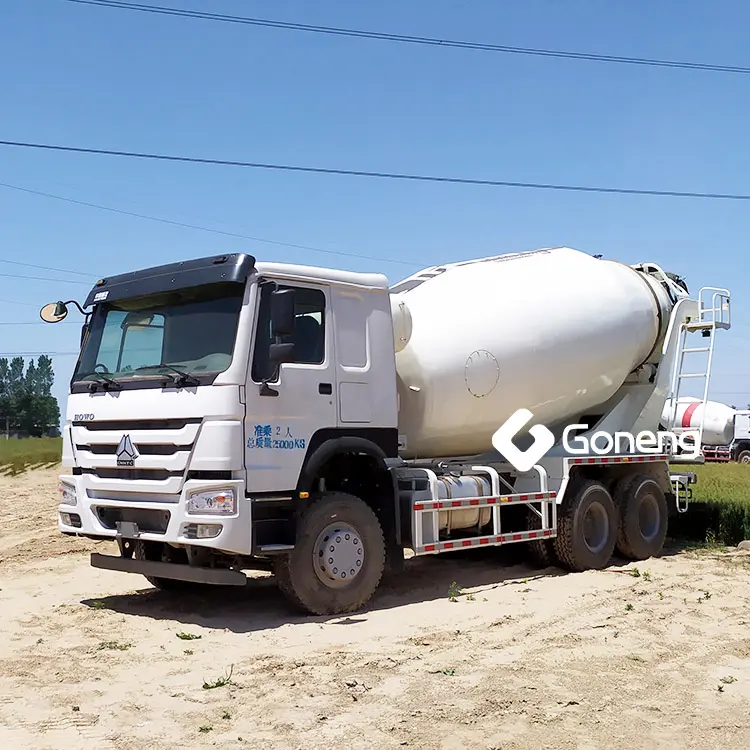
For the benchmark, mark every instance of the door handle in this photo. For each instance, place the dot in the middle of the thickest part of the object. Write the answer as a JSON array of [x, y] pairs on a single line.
[[325, 388]]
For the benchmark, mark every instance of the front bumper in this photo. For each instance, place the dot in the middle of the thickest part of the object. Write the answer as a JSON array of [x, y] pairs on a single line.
[[96, 515], [155, 569]]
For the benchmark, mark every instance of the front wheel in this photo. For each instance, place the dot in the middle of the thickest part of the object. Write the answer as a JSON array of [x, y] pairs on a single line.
[[743, 457], [338, 560]]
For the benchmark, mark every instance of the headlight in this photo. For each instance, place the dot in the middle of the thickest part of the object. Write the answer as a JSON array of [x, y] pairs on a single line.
[[212, 502], [67, 494]]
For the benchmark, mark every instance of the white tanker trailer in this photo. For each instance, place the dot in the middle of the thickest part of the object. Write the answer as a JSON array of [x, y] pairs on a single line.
[[227, 414]]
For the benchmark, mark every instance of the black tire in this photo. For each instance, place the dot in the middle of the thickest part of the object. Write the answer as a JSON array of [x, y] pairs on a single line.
[[642, 508], [743, 457], [321, 589], [541, 551], [160, 552], [585, 498]]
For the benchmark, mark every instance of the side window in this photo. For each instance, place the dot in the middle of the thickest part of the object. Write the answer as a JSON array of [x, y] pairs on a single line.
[[308, 337]]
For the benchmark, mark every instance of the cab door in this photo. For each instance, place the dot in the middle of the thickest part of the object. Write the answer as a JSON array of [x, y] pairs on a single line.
[[288, 401]]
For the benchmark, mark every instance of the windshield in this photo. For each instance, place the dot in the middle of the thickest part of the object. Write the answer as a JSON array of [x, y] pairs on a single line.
[[191, 331]]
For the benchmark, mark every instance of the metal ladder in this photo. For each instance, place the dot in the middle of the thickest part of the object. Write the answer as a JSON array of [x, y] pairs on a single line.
[[710, 318]]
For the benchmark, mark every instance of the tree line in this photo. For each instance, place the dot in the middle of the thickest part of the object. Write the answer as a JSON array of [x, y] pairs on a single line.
[[27, 406]]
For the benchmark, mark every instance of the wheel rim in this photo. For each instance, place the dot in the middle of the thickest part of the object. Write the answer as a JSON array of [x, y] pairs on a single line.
[[338, 555], [648, 517], [595, 527]]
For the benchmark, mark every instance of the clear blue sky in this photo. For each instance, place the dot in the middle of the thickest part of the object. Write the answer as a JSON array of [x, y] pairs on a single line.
[[97, 77]]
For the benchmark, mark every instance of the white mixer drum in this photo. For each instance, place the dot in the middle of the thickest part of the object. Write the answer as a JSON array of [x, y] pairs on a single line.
[[555, 331], [718, 428]]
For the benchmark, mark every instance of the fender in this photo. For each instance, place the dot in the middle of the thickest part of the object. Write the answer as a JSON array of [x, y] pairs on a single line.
[[317, 456], [326, 444]]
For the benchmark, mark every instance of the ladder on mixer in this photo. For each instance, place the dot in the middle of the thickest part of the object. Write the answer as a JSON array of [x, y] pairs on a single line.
[[711, 317]]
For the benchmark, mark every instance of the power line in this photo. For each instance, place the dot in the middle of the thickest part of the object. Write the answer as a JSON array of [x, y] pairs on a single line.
[[37, 323], [383, 175], [7, 355], [46, 268], [421, 40], [44, 278], [14, 302], [193, 226]]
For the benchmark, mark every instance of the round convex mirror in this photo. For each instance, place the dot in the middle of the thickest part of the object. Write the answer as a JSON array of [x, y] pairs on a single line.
[[54, 312]]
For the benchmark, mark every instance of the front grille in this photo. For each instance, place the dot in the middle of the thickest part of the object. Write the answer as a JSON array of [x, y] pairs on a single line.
[[163, 444], [151, 475], [132, 425], [109, 449]]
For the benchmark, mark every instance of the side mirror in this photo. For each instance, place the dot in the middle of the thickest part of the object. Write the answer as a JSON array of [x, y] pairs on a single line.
[[277, 354], [282, 312], [54, 312], [280, 353]]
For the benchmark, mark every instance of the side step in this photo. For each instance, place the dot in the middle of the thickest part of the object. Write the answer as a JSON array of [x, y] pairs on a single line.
[[157, 569]]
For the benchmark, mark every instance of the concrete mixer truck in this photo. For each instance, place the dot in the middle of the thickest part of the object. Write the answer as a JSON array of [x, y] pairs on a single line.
[[725, 430], [227, 415]]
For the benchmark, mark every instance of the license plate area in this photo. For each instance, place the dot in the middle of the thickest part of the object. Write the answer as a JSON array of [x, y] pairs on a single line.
[[131, 522]]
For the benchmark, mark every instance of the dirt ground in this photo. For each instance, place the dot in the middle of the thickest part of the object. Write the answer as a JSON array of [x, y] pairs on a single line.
[[521, 659]]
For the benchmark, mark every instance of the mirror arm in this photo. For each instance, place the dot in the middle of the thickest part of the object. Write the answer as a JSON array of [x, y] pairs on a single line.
[[80, 309]]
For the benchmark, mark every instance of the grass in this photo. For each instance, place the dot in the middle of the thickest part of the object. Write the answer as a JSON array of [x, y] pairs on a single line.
[[114, 646], [18, 456], [188, 636], [720, 509], [220, 682]]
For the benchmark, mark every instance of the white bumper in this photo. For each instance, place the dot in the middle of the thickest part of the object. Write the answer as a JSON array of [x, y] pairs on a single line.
[[175, 524]]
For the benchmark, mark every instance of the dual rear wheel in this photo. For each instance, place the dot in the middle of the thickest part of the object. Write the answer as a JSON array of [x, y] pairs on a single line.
[[592, 523]]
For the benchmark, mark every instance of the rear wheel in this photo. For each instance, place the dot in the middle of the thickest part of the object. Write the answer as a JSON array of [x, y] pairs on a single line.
[[643, 515], [338, 559], [586, 527], [541, 551]]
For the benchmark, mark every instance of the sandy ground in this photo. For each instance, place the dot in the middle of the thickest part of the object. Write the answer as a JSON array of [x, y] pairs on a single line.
[[522, 659]]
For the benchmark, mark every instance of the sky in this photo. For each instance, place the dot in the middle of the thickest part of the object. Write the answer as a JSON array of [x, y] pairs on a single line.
[[103, 78]]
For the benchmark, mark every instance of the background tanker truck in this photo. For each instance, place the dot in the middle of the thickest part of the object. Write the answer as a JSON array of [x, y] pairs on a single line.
[[725, 431], [228, 415]]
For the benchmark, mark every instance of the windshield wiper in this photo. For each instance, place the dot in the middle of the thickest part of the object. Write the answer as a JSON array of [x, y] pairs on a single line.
[[102, 378], [180, 377]]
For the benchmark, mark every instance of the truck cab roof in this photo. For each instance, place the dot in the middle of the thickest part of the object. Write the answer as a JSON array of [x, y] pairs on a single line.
[[233, 267]]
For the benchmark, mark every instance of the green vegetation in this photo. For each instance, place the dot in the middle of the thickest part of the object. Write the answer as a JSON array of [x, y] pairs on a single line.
[[27, 405], [720, 509], [17, 456], [28, 414]]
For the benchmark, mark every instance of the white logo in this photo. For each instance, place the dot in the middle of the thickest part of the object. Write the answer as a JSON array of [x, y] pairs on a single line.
[[643, 442], [126, 452], [503, 440]]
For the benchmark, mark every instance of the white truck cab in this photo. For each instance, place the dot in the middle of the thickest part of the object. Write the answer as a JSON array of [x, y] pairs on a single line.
[[213, 450]]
